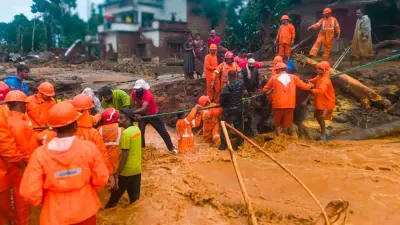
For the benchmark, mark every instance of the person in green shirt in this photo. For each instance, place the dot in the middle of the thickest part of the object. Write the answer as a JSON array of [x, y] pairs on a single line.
[[117, 99], [128, 174]]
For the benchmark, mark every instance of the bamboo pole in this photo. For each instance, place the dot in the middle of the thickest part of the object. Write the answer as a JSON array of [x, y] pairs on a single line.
[[283, 167], [239, 176]]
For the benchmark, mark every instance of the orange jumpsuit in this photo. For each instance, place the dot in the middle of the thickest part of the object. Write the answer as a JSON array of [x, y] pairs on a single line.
[[86, 131], [210, 125], [210, 64], [9, 154], [64, 176], [38, 109], [284, 97], [111, 134], [220, 77], [285, 36], [25, 140], [328, 27], [184, 132], [324, 93]]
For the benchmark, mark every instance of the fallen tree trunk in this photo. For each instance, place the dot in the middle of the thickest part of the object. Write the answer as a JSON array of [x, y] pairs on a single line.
[[386, 43], [367, 95], [385, 130]]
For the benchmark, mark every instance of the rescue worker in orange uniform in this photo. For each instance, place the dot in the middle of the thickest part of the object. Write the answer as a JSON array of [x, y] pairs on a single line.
[[9, 157], [277, 59], [210, 119], [85, 130], [64, 175], [26, 143], [284, 97], [39, 105], [220, 75], [111, 133], [329, 27], [324, 100], [210, 65], [285, 37], [184, 131]]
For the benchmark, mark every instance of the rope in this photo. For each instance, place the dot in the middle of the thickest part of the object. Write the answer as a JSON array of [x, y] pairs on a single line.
[[188, 110], [366, 65]]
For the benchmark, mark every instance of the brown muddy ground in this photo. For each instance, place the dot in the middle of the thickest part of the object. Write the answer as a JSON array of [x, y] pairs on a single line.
[[201, 187]]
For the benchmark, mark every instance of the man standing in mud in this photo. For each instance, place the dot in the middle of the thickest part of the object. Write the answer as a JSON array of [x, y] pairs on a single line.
[[143, 104]]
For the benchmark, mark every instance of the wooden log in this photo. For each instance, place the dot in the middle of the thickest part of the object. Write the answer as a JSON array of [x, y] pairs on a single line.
[[366, 94], [239, 176], [382, 131]]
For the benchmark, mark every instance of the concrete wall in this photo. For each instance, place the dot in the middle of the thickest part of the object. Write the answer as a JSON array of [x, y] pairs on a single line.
[[154, 36], [111, 38]]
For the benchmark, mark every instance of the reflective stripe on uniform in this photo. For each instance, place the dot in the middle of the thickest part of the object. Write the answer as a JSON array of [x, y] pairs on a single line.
[[114, 142]]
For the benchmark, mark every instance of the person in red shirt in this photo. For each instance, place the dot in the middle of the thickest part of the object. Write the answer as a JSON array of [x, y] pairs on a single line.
[[324, 97], [284, 97], [143, 104], [242, 56], [213, 39]]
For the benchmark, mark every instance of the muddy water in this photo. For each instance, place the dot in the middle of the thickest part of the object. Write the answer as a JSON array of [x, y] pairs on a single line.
[[201, 187]]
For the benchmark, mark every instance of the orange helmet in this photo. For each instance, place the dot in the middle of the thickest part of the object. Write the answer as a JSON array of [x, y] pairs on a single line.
[[327, 10], [15, 96], [213, 47], [217, 112], [324, 65], [285, 17], [47, 89], [82, 102], [110, 115], [4, 89], [228, 55], [203, 100], [280, 65], [62, 114], [278, 59]]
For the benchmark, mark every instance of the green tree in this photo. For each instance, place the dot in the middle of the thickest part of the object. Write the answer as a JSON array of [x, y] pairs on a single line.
[[212, 10]]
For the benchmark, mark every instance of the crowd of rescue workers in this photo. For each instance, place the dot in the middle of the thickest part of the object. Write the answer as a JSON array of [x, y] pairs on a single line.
[[58, 154]]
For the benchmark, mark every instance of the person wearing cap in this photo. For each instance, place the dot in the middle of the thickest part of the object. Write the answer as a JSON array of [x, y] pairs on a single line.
[[117, 99], [97, 104], [232, 105], [277, 59], [111, 133], [250, 77], [10, 156], [210, 65], [285, 37], [244, 62], [65, 174], [328, 28], [25, 140], [16, 82], [143, 104], [210, 118], [241, 56], [220, 75], [128, 174], [284, 86], [39, 105], [85, 130], [324, 97], [184, 133]]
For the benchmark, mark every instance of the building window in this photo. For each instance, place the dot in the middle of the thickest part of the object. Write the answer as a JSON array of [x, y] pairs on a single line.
[[147, 19], [131, 17]]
